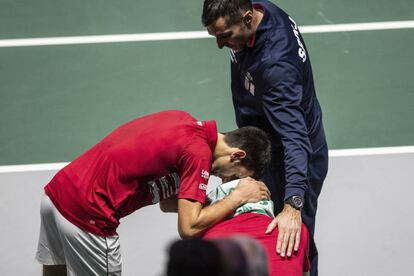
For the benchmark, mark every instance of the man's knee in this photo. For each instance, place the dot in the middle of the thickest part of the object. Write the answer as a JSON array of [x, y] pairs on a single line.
[[54, 270]]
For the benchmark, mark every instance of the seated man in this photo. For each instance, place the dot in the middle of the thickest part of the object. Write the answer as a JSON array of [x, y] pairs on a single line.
[[252, 219], [139, 164]]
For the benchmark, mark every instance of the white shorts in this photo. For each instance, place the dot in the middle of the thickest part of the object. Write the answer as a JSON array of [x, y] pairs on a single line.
[[83, 253]]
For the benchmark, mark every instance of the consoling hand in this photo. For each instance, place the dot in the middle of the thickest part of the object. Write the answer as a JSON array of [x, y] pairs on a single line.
[[289, 223], [251, 190]]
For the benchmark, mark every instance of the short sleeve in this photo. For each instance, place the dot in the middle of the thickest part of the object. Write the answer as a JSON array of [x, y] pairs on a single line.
[[194, 170]]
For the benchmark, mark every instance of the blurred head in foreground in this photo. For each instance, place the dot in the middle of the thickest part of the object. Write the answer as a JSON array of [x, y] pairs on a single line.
[[235, 256]]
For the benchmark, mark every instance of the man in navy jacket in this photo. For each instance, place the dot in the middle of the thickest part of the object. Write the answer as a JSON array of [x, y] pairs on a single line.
[[272, 88]]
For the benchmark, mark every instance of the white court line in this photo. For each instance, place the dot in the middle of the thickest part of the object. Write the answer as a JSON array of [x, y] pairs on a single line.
[[33, 167], [371, 151], [354, 27], [68, 40], [332, 153]]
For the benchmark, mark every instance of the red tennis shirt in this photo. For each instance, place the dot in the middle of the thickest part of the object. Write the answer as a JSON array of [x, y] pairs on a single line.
[[140, 163]]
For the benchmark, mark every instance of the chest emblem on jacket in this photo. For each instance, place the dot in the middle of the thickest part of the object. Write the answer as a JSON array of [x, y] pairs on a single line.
[[248, 83]]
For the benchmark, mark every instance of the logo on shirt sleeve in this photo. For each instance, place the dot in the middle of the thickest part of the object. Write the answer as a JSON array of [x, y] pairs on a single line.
[[202, 186], [205, 174]]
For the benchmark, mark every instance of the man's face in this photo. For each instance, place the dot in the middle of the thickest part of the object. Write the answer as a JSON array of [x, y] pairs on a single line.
[[227, 168], [235, 36]]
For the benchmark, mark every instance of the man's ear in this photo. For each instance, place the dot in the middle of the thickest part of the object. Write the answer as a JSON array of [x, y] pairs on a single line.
[[248, 18], [237, 155]]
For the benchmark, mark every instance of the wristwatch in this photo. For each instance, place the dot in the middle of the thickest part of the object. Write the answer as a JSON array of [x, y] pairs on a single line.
[[296, 202]]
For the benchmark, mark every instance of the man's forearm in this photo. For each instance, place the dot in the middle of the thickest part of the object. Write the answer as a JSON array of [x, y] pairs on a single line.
[[193, 219]]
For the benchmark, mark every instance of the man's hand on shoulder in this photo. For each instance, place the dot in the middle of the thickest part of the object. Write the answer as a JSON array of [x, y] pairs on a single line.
[[251, 190], [289, 223]]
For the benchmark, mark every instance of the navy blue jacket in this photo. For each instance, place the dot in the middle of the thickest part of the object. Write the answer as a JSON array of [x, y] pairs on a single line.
[[272, 87]]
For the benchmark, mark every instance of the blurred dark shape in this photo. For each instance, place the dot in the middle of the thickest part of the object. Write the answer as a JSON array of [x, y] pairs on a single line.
[[234, 256], [193, 257]]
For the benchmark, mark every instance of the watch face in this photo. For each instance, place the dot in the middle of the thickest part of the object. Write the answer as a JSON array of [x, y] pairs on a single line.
[[297, 201]]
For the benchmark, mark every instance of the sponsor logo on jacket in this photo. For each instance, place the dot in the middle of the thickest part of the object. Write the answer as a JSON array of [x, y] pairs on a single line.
[[301, 50], [248, 83]]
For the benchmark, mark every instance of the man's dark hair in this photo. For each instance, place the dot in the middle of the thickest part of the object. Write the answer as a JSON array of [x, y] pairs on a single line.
[[231, 10], [255, 143], [195, 257]]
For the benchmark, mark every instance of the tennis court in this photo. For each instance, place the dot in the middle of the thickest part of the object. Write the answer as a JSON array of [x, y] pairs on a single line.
[[73, 71]]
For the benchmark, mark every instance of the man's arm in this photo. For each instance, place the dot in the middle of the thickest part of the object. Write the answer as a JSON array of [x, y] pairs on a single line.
[[282, 106], [193, 219]]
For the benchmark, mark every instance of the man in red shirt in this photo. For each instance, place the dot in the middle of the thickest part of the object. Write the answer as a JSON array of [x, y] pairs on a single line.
[[163, 158]]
